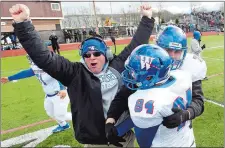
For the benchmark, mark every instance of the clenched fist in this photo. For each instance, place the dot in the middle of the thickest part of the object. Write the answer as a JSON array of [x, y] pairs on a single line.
[[4, 80], [146, 10], [20, 12], [62, 94]]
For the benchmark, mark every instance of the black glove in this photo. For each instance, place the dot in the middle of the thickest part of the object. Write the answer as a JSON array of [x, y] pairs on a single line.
[[112, 135], [174, 120], [203, 46]]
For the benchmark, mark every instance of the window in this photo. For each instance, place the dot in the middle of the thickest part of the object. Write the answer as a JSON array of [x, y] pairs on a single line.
[[55, 6]]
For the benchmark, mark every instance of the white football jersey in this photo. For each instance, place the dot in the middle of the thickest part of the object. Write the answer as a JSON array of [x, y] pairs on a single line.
[[49, 84], [195, 65], [195, 47], [148, 107]]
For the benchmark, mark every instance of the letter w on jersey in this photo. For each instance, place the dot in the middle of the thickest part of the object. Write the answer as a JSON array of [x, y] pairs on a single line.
[[146, 62]]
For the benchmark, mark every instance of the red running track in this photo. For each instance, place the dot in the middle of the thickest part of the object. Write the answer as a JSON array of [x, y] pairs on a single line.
[[72, 46]]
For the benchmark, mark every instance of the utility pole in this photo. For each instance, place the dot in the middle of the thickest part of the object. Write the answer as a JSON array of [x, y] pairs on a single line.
[[111, 10], [92, 19], [130, 15], [95, 17]]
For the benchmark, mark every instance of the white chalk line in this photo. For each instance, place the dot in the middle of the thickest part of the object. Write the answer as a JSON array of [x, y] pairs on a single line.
[[213, 102]]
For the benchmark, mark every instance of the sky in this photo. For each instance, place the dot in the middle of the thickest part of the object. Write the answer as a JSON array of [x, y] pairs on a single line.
[[173, 7]]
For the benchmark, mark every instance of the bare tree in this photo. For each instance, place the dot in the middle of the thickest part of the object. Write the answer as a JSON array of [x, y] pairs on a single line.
[[85, 13], [135, 16], [222, 7], [192, 6], [65, 10], [160, 9], [202, 9], [102, 19], [98, 13], [72, 20], [124, 16], [195, 6]]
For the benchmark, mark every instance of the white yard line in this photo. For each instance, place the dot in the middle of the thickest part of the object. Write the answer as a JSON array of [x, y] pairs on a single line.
[[210, 48], [35, 138], [213, 58], [213, 102]]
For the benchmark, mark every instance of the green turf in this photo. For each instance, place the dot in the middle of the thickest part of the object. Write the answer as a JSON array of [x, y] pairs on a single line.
[[214, 61], [217, 92], [63, 138], [22, 102], [209, 127], [208, 130]]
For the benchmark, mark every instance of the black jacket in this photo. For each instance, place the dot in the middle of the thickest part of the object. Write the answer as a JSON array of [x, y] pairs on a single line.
[[53, 39], [120, 103], [84, 88]]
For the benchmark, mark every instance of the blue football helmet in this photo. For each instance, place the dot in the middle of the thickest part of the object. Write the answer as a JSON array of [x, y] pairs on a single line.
[[147, 65], [173, 38], [197, 35]]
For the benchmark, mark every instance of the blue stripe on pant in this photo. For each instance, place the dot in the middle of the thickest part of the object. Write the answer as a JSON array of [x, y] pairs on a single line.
[[144, 136]]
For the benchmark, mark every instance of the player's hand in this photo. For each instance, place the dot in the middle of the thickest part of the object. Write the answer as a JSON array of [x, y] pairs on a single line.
[[112, 135], [4, 80], [146, 10], [174, 120], [19, 12], [62, 94], [203, 46]]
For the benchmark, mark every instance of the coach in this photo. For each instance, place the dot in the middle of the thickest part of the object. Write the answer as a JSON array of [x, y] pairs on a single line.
[[93, 82]]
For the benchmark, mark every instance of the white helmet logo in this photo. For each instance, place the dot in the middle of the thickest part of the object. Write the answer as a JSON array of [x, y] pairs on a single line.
[[146, 62]]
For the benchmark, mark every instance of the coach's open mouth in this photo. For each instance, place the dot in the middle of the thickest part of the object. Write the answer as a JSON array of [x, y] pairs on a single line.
[[93, 64]]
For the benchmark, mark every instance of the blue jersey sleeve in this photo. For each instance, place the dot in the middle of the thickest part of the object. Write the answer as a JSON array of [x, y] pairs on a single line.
[[22, 74], [62, 87]]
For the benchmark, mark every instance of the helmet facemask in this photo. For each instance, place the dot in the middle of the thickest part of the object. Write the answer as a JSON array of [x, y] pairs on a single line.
[[177, 63], [135, 80]]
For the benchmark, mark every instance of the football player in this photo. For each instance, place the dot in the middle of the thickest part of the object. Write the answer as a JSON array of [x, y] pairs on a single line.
[[196, 49], [56, 98], [148, 70], [174, 41]]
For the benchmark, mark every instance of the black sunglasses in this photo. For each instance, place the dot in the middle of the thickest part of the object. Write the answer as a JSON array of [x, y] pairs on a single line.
[[95, 54]]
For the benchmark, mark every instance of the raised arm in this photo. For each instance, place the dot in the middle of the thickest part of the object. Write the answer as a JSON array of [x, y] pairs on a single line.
[[56, 66], [141, 36]]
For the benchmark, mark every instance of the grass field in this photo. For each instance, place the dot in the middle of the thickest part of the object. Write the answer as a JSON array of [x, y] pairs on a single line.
[[22, 102]]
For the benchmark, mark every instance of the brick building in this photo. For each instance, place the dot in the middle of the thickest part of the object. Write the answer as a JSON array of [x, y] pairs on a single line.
[[45, 15]]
